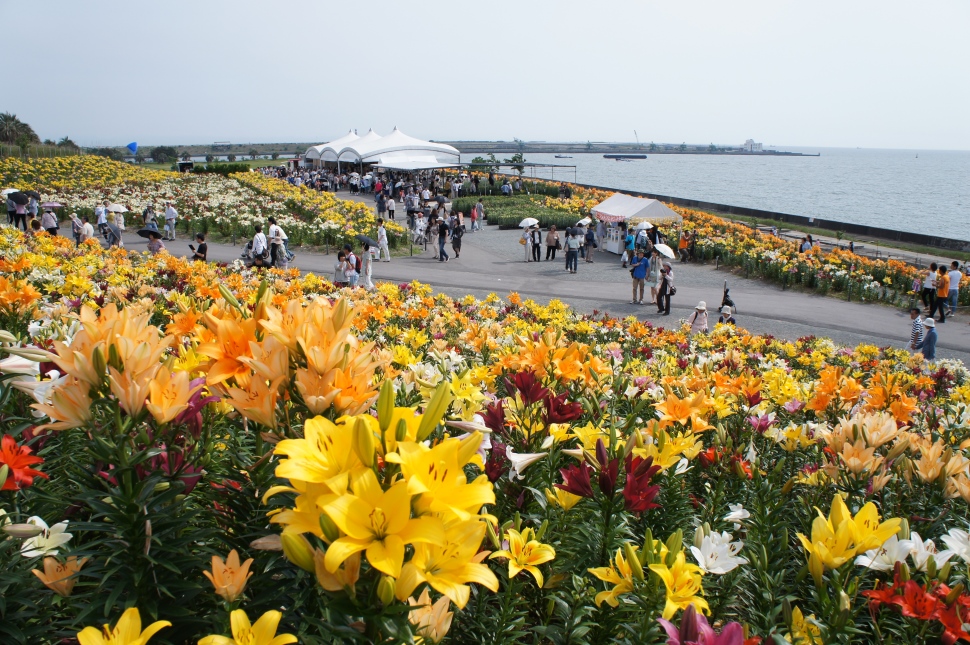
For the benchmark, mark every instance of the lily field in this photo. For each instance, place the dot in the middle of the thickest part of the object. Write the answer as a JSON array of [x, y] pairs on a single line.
[[203, 453]]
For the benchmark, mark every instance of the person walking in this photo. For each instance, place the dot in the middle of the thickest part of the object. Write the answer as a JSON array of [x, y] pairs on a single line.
[[682, 246], [171, 216], [48, 221], [928, 294], [479, 213], [590, 240], [456, 234], [276, 237], [77, 228], [726, 318], [340, 270], [366, 267], [658, 277], [628, 244], [87, 230], [572, 251], [956, 277], [667, 290], [383, 252], [390, 207], [11, 211], [442, 238], [928, 346], [260, 246], [553, 243], [638, 271], [916, 331], [535, 243], [698, 319], [942, 293]]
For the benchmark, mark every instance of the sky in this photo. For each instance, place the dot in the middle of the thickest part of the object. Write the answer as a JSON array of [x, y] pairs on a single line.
[[872, 74]]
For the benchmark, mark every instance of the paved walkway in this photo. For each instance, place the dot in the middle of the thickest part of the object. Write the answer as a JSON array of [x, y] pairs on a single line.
[[493, 261]]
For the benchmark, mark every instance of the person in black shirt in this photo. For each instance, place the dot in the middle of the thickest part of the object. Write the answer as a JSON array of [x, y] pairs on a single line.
[[442, 238], [203, 250]]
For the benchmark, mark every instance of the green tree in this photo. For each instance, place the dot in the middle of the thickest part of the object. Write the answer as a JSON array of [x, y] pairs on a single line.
[[110, 153], [517, 162], [23, 142], [66, 142], [253, 153], [712, 148], [12, 129], [49, 142], [683, 147], [490, 162], [589, 145], [164, 154], [186, 156], [275, 156], [209, 158], [231, 157], [139, 157]]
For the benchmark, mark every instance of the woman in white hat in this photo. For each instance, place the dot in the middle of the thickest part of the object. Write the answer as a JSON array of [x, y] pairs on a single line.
[[698, 319], [726, 317]]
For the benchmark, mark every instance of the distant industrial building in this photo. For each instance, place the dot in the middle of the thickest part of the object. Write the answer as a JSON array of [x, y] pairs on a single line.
[[751, 146]]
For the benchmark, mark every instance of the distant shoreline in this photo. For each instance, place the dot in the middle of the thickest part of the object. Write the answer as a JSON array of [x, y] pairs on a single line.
[[532, 147]]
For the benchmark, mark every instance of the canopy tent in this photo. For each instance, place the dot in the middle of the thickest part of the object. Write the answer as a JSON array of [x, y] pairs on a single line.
[[318, 152], [625, 208], [412, 163], [370, 150]]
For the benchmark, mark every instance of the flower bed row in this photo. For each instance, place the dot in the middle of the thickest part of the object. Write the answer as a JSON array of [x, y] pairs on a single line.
[[196, 446]]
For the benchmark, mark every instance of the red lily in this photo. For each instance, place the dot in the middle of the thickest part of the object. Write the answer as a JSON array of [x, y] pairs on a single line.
[[576, 480], [19, 460], [559, 411], [916, 603], [494, 417], [638, 494], [528, 386], [952, 619]]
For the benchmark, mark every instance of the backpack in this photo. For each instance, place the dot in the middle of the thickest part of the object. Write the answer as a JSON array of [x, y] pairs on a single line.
[[357, 263]]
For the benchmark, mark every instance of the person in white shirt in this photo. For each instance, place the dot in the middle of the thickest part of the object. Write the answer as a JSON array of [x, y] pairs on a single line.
[[955, 277], [366, 267], [383, 253], [87, 231], [390, 205], [170, 217], [425, 195], [101, 218], [259, 245], [277, 238], [48, 222]]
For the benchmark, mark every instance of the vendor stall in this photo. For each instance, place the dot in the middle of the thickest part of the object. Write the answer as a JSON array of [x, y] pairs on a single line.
[[620, 212]]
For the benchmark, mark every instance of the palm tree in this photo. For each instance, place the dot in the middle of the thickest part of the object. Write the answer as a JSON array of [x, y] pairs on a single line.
[[10, 127], [209, 158], [186, 156], [66, 142]]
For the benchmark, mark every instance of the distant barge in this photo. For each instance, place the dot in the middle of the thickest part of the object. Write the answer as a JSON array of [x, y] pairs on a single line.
[[621, 156]]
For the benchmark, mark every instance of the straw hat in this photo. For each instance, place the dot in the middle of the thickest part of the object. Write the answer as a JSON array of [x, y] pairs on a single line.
[[701, 306], [929, 322], [726, 310]]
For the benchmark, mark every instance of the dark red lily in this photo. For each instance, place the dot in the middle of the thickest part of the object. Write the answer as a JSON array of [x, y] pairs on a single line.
[[558, 410], [528, 387], [575, 480], [494, 417], [638, 493], [609, 469]]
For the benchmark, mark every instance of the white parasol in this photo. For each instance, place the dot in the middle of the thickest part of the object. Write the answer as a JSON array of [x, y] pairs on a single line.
[[117, 208], [664, 250], [584, 222], [643, 226], [528, 221]]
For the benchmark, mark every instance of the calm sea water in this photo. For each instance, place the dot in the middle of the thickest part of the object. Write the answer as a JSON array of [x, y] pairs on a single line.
[[908, 190]]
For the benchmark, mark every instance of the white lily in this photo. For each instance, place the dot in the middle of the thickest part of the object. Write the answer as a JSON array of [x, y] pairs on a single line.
[[682, 466], [48, 541], [521, 461], [737, 515], [718, 554], [923, 551], [885, 557], [959, 543]]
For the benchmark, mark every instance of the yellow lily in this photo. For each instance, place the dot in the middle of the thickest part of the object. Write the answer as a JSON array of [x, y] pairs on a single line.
[[524, 553], [323, 455], [619, 574], [683, 582], [562, 498], [449, 567], [379, 522], [70, 406], [437, 475], [126, 632], [243, 633], [229, 577]]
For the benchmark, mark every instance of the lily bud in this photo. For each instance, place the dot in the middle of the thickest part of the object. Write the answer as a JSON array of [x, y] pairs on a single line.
[[385, 405], [844, 602], [898, 449], [98, 363], [542, 530], [675, 544], [402, 430], [435, 410], [22, 531], [364, 442], [786, 611], [297, 550], [789, 485], [228, 297], [7, 337], [4, 471], [931, 567], [904, 572], [633, 560], [114, 359], [329, 528], [385, 590], [954, 594], [944, 572], [162, 486], [517, 521], [629, 446], [492, 537], [31, 354]]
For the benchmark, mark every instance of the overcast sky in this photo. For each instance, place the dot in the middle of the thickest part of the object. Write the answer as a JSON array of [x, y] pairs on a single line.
[[884, 74]]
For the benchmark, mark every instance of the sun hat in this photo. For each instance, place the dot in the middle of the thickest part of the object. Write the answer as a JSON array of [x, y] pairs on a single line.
[[929, 322], [701, 306], [726, 310]]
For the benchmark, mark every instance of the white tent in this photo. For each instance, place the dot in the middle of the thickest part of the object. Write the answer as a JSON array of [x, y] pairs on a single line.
[[326, 150], [625, 208], [369, 149]]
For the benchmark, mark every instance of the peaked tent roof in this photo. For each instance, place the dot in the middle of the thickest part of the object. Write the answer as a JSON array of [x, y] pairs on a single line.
[[317, 152], [621, 208], [370, 150]]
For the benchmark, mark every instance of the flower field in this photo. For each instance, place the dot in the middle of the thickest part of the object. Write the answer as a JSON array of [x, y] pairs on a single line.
[[210, 203], [203, 454]]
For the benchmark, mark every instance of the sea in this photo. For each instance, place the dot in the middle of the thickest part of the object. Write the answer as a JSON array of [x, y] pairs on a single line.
[[920, 191]]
